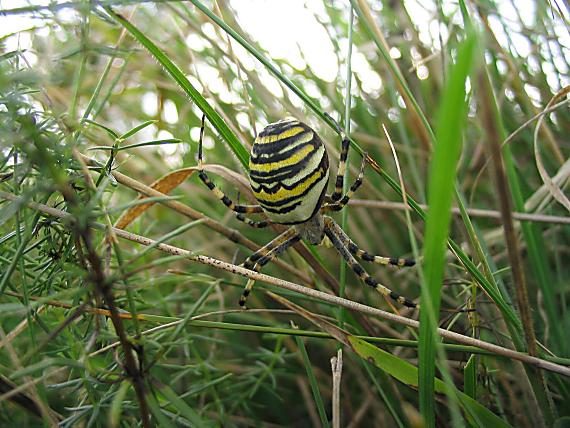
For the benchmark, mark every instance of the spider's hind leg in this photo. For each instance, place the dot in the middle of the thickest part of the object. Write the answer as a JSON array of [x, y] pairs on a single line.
[[331, 230], [365, 255], [265, 254]]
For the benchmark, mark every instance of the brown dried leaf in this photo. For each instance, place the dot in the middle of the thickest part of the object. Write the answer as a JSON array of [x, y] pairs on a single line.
[[170, 181], [164, 185]]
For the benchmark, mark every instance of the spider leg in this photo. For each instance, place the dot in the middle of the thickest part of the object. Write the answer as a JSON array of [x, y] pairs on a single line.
[[365, 255], [265, 254], [244, 209], [339, 205], [252, 223], [337, 194], [358, 269]]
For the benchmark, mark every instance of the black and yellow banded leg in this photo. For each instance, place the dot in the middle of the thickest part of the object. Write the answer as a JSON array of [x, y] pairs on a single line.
[[339, 183], [330, 231], [365, 255], [243, 209], [265, 254], [256, 224], [337, 206]]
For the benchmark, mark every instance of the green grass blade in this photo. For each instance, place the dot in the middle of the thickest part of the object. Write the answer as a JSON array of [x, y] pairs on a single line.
[[451, 121], [180, 405], [135, 145], [182, 81], [470, 377], [313, 382]]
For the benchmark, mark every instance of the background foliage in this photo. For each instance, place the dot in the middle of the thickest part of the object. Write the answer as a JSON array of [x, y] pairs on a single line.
[[93, 105]]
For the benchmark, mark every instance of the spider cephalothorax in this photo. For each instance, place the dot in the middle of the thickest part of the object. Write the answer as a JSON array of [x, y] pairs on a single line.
[[289, 172]]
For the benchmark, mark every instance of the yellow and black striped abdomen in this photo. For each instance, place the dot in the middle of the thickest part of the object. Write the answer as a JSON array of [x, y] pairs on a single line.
[[289, 171]]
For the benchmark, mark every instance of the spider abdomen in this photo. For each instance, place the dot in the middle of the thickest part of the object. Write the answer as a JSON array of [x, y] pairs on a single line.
[[289, 171]]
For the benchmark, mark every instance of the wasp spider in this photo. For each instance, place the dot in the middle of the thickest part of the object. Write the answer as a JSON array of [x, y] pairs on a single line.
[[288, 173]]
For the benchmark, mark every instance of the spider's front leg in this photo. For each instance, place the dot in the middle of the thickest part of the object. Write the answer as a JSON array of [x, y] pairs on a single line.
[[252, 223], [336, 200], [339, 205], [265, 254], [339, 182], [240, 209]]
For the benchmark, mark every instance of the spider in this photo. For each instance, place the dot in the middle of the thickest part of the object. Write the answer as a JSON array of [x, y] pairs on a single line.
[[288, 174]]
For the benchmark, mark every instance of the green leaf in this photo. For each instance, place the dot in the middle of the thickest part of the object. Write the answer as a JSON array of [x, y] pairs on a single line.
[[137, 129], [117, 404], [108, 130], [180, 405], [406, 373], [470, 377]]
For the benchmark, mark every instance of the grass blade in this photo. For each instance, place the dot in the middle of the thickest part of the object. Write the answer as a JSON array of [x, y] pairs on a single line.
[[451, 120], [313, 382], [182, 81]]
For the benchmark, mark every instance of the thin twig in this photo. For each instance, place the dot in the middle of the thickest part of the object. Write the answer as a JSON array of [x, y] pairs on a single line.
[[474, 212], [336, 367], [325, 297]]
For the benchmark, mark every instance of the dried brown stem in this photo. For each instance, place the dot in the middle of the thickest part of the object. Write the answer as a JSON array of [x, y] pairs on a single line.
[[505, 203], [493, 130], [336, 367], [474, 212]]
